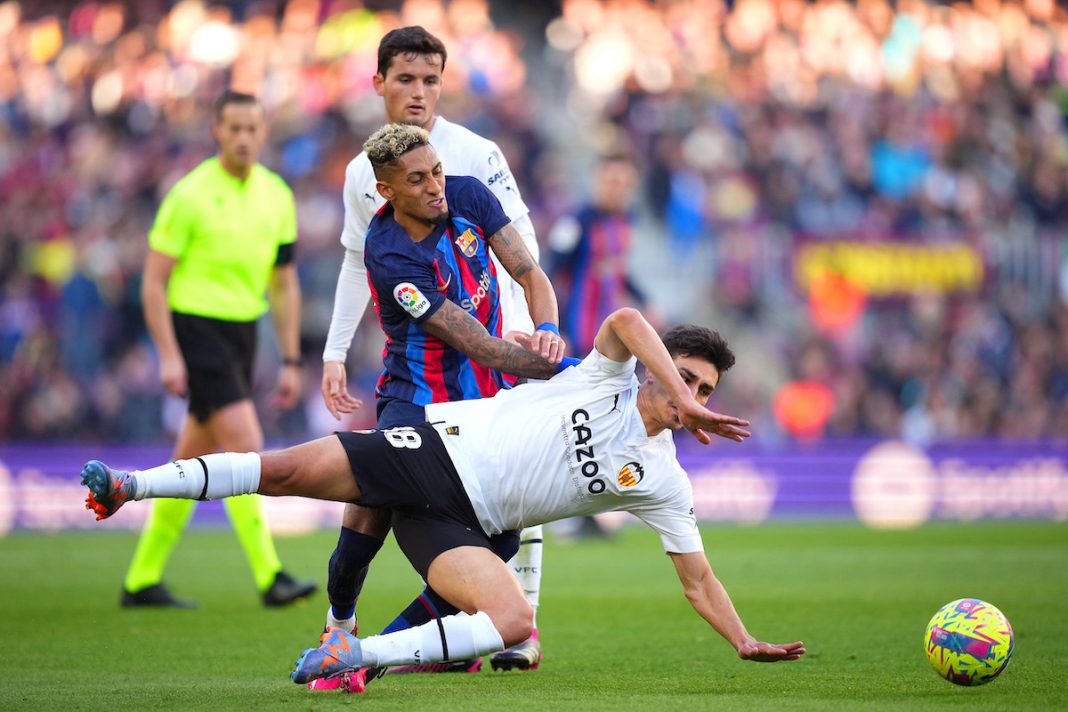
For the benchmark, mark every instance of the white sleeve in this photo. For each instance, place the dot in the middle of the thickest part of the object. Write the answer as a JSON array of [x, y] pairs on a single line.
[[360, 200], [493, 170], [602, 368], [515, 313], [675, 522], [599, 374], [350, 302]]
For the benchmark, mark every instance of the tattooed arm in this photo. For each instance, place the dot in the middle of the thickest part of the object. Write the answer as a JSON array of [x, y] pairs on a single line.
[[507, 245], [464, 333]]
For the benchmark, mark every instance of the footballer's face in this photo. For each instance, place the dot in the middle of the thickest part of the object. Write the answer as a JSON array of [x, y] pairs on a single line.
[[410, 88], [240, 131], [700, 376], [614, 184], [415, 186]]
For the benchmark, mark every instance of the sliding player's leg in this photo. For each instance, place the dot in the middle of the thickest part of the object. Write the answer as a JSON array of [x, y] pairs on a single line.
[[526, 565], [494, 613], [319, 470]]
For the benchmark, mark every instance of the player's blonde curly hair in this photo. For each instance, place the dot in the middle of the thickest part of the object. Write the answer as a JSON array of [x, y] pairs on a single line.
[[392, 141]]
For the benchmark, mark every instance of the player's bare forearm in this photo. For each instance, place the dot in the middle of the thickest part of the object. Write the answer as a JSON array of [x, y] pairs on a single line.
[[711, 601], [541, 299], [508, 245], [626, 333], [467, 335], [708, 597], [285, 309]]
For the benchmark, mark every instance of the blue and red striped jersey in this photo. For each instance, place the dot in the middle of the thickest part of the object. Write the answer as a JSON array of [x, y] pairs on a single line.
[[411, 280], [591, 269]]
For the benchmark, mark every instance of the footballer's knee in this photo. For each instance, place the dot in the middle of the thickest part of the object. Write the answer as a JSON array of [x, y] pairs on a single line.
[[365, 520], [279, 472], [515, 623]]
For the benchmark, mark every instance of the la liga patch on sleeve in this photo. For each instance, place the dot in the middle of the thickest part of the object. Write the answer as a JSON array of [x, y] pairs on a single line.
[[411, 299]]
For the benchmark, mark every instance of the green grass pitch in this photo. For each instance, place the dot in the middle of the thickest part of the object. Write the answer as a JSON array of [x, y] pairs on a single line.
[[617, 632]]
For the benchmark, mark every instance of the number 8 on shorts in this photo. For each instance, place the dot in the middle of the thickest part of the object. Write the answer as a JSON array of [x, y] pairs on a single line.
[[404, 438]]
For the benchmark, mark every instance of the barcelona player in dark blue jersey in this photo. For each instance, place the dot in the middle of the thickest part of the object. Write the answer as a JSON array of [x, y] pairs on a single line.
[[590, 250], [434, 285], [410, 281]]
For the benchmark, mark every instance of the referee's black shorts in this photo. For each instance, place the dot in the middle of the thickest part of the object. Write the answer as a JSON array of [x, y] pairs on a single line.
[[409, 471], [218, 360]]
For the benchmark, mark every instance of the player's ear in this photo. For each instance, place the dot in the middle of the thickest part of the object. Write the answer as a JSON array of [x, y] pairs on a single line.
[[648, 379], [261, 121], [379, 83], [385, 190]]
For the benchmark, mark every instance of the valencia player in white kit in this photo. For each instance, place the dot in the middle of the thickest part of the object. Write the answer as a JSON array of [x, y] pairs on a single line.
[[596, 440]]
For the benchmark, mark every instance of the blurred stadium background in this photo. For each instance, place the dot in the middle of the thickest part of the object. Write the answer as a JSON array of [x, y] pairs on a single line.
[[869, 199]]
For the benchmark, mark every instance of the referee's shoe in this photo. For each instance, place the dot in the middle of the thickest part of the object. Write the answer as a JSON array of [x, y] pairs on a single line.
[[156, 595], [286, 590]]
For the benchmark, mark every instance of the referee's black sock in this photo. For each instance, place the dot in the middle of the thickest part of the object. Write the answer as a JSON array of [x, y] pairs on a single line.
[[348, 569]]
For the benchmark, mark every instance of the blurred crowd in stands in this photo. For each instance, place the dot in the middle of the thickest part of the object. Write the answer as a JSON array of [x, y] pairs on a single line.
[[925, 135]]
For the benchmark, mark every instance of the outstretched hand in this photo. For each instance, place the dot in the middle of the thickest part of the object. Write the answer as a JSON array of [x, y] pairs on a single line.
[[704, 423], [760, 652], [335, 390]]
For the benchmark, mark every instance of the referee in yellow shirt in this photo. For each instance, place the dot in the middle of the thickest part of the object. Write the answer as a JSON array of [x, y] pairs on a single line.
[[222, 240]]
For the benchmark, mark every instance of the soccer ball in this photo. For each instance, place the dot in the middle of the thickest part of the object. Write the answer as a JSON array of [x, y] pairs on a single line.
[[968, 642]]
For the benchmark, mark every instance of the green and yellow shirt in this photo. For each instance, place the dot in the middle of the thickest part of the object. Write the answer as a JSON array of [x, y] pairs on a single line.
[[224, 234]]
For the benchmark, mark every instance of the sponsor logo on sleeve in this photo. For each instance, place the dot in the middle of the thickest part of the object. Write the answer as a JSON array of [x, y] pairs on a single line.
[[468, 242], [501, 175], [631, 474], [411, 299]]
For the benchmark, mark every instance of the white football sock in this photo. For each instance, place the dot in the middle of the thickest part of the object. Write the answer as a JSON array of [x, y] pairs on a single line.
[[466, 637], [526, 565], [225, 474], [348, 624]]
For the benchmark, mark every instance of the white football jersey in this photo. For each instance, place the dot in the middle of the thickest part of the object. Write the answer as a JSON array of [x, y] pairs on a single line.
[[570, 446]]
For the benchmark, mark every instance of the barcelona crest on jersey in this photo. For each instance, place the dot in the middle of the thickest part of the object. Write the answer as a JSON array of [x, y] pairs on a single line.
[[468, 242]]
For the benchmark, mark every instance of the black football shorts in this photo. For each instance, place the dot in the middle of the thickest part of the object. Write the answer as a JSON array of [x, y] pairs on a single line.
[[218, 360], [409, 471]]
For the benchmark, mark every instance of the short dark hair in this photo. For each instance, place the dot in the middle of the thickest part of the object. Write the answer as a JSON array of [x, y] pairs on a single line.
[[411, 40], [699, 342], [616, 155], [232, 97]]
